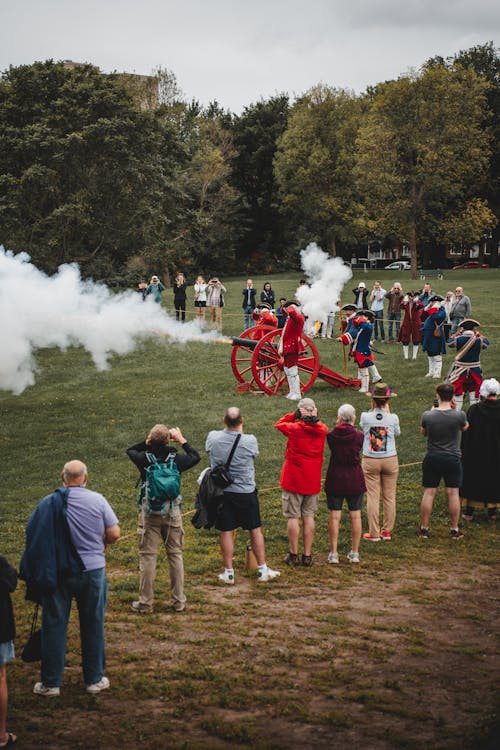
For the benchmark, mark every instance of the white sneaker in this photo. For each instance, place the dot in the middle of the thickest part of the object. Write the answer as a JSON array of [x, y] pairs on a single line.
[[268, 575], [103, 684], [353, 557], [333, 557], [48, 692], [226, 577], [294, 397]]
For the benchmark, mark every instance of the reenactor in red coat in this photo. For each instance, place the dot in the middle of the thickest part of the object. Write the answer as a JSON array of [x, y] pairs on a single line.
[[290, 346], [411, 327]]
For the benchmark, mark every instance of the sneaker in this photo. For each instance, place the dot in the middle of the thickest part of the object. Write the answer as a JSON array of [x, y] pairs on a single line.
[[353, 557], [268, 575], [103, 684], [333, 557], [226, 577], [179, 606], [370, 538], [48, 692], [307, 561], [291, 559], [423, 533], [386, 536], [456, 533], [138, 607]]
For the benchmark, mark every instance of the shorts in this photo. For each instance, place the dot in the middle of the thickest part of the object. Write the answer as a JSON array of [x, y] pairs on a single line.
[[239, 509], [442, 466], [296, 505], [6, 652], [354, 502], [197, 303]]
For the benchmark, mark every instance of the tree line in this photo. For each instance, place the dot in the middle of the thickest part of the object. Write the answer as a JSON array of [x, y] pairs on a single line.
[[90, 175]]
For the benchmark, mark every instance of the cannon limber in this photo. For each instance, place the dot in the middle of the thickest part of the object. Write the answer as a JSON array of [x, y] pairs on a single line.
[[258, 364]]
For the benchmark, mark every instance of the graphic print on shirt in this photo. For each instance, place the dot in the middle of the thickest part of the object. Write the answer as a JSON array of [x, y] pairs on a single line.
[[378, 439]]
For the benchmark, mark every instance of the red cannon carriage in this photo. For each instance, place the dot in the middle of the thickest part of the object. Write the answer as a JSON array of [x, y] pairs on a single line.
[[258, 365]]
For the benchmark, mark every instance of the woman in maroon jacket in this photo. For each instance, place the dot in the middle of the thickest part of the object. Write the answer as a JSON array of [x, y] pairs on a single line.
[[345, 480], [411, 327]]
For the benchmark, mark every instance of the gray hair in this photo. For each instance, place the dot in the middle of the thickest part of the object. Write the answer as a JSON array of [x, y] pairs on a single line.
[[347, 413], [306, 403], [489, 387]]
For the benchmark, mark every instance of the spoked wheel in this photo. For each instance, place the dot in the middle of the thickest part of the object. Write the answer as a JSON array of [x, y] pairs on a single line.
[[267, 364], [241, 358]]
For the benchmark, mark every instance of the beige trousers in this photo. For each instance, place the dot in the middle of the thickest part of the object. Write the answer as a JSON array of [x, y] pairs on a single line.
[[381, 476], [155, 530], [216, 318]]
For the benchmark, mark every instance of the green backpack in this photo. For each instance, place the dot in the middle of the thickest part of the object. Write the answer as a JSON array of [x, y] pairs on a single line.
[[160, 492]]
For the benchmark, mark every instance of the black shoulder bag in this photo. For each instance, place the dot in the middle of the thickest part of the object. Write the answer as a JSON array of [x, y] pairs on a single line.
[[221, 475]]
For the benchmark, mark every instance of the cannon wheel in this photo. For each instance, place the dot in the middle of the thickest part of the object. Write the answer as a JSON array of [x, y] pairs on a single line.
[[267, 364], [241, 359]]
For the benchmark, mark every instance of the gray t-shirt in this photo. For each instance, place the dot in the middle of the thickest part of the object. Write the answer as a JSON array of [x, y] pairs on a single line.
[[218, 445], [443, 428]]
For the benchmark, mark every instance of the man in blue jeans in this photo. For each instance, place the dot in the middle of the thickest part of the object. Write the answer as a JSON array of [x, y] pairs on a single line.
[[92, 525], [377, 296]]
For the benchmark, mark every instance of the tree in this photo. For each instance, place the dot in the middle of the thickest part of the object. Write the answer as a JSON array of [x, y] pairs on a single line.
[[422, 152], [84, 175], [313, 166]]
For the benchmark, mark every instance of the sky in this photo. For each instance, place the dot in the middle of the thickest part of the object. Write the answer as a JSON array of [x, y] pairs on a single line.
[[241, 51]]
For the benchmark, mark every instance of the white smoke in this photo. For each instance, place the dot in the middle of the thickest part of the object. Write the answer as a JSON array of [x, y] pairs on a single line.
[[327, 277], [38, 311]]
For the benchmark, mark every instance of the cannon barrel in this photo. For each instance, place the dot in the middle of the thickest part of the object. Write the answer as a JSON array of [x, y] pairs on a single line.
[[247, 343]]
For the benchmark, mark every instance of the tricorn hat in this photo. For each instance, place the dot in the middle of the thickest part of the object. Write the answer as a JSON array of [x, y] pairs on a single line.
[[264, 305], [291, 302], [436, 298], [349, 307], [469, 323], [381, 390], [368, 314]]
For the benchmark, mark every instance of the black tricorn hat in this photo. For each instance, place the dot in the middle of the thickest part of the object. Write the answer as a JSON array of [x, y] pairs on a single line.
[[436, 298], [469, 323], [348, 307], [368, 314], [264, 306]]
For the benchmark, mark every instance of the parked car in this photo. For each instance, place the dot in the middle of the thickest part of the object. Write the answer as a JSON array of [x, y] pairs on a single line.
[[398, 265], [471, 264]]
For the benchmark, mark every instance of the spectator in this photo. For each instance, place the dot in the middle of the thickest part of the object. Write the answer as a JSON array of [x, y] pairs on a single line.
[[267, 295], [200, 298], [460, 309], [425, 294], [377, 296], [345, 481], [142, 288], [240, 507], [481, 453], [281, 312], [180, 297], [412, 324], [448, 302], [442, 426], [361, 296], [394, 296], [8, 583], [163, 526], [248, 304], [433, 341], [300, 478], [380, 462], [66, 538], [155, 289], [215, 302]]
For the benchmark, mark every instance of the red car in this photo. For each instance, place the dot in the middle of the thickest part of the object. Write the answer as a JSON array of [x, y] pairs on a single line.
[[471, 264]]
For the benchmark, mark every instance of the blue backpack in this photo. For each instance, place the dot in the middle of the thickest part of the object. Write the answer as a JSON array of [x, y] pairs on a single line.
[[160, 492]]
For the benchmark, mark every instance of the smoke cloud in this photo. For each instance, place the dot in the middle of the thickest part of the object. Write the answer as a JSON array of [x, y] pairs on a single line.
[[40, 311], [327, 277]]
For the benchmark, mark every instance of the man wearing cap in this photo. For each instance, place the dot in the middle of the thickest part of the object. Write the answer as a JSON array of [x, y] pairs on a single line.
[[300, 478], [380, 462], [433, 341], [460, 309], [411, 326], [290, 345], [358, 336], [360, 296], [465, 373]]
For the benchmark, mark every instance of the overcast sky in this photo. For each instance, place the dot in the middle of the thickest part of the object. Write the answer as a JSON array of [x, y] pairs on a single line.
[[241, 51]]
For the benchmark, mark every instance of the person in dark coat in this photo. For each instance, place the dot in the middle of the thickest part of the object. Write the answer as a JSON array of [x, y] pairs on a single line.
[[481, 453], [180, 297], [8, 583], [267, 295], [361, 296], [345, 480], [433, 340], [411, 326]]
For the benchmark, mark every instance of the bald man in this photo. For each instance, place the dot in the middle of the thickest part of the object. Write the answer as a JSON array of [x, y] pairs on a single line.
[[83, 522]]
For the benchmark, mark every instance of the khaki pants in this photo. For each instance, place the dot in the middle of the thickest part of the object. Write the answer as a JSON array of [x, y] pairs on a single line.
[[216, 318], [155, 530], [381, 476]]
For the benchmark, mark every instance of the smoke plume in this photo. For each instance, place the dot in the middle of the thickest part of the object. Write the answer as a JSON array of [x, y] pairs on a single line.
[[327, 277], [40, 311]]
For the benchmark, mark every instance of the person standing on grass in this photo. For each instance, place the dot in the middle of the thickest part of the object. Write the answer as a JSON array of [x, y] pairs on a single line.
[[180, 297], [460, 309], [377, 296], [200, 298], [410, 332], [240, 504], [442, 426], [8, 584], [156, 527], [300, 478], [66, 539], [155, 289], [345, 480], [394, 297], [215, 302], [380, 462], [248, 304]]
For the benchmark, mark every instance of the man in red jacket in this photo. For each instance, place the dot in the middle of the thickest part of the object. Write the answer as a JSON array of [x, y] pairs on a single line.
[[290, 346], [300, 478]]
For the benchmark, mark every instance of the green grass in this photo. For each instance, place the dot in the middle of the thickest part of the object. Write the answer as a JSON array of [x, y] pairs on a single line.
[[253, 651]]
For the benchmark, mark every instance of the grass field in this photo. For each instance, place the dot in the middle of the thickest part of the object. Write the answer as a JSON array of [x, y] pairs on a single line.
[[399, 651]]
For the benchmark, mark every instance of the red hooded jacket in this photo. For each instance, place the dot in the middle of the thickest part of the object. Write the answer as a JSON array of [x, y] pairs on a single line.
[[301, 472]]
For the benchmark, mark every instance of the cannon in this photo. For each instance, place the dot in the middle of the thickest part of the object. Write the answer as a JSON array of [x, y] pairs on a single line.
[[258, 365]]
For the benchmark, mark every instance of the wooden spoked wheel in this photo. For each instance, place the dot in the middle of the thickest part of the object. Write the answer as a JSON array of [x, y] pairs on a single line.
[[268, 363]]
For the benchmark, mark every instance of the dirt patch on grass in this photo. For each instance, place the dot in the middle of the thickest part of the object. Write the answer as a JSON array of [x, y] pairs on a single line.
[[327, 657]]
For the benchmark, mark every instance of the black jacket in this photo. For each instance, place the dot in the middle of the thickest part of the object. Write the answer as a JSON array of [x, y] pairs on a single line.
[[184, 461], [8, 583]]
